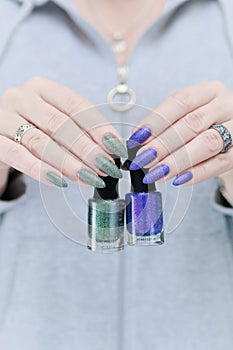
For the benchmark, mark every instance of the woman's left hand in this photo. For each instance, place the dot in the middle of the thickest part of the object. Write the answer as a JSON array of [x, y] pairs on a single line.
[[177, 139]]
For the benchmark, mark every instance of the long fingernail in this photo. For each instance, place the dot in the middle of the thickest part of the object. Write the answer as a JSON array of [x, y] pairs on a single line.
[[56, 179], [183, 178], [90, 178], [115, 146], [156, 174], [139, 137], [143, 158], [108, 167]]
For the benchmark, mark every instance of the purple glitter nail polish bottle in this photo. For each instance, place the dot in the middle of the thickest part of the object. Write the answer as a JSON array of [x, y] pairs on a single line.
[[144, 211]]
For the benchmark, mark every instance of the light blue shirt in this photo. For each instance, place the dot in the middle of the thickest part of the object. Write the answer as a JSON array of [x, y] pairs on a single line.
[[57, 295]]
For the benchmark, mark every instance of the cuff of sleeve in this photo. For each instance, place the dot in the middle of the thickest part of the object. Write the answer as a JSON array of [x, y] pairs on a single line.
[[221, 204], [15, 192], [7, 205]]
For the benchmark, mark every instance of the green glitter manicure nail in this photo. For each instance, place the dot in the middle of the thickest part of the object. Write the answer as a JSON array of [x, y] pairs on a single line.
[[108, 167], [90, 178], [56, 179], [115, 146]]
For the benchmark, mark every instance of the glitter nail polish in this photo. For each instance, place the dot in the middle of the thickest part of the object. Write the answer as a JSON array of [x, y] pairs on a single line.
[[143, 159], [90, 178], [106, 217], [183, 178], [139, 137], [114, 145], [157, 173], [56, 179], [144, 212], [108, 167]]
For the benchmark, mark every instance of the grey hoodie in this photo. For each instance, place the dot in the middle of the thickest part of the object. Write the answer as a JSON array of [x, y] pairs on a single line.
[[55, 294]]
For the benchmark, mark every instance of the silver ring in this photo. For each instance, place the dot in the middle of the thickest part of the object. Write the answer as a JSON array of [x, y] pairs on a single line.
[[225, 134], [21, 131]]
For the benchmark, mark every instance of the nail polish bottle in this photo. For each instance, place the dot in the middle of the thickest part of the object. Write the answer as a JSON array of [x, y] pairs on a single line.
[[144, 211], [106, 217]]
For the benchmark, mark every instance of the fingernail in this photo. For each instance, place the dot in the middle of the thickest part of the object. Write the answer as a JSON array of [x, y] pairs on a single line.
[[90, 178], [143, 158], [139, 137], [56, 179], [156, 174], [108, 167], [115, 146], [183, 178]]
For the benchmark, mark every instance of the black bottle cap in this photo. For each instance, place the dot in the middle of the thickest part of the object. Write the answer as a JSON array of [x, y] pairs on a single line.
[[111, 189], [137, 176]]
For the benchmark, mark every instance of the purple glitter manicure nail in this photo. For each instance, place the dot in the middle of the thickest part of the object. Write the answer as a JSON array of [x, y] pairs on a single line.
[[143, 158], [156, 174], [183, 178], [139, 137]]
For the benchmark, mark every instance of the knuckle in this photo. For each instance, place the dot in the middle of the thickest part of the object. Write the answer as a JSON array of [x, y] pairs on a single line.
[[195, 121], [34, 169], [35, 81], [36, 142], [218, 84], [227, 101], [213, 141], [10, 95], [54, 121], [11, 155], [70, 102], [226, 162], [74, 103], [33, 84], [183, 99], [84, 148], [201, 173], [166, 142], [7, 95]]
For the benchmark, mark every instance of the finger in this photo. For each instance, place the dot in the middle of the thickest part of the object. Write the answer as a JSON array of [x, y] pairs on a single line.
[[179, 104], [187, 128], [4, 166], [67, 133], [44, 148], [212, 167], [20, 158], [74, 105], [205, 146]]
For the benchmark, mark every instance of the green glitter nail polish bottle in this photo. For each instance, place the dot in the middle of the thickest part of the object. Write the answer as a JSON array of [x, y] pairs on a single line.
[[106, 217]]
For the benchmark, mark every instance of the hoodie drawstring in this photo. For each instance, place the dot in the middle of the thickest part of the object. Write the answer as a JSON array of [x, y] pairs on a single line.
[[26, 9]]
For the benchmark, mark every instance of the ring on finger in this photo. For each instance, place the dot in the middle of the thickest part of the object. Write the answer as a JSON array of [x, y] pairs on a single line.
[[21, 131], [225, 135]]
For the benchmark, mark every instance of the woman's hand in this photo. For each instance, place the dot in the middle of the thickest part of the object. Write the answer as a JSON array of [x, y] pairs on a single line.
[[177, 139], [62, 142]]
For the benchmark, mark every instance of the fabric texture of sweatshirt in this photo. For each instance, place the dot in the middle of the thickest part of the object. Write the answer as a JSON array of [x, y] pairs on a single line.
[[54, 293]]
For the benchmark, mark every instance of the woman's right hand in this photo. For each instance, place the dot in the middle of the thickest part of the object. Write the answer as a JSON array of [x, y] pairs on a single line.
[[62, 142]]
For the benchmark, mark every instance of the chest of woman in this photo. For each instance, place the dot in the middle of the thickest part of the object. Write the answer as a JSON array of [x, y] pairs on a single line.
[[185, 48]]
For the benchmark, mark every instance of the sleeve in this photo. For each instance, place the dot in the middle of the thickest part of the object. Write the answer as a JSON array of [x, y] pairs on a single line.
[[15, 191], [222, 202]]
